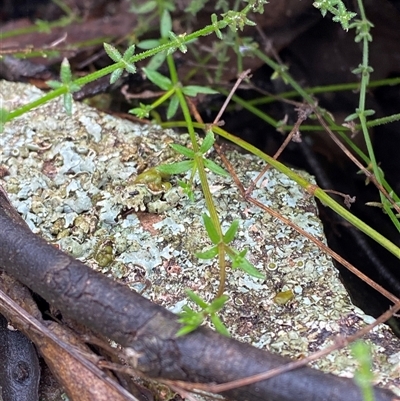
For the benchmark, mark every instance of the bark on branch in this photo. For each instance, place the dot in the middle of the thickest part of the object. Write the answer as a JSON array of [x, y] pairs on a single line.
[[114, 311]]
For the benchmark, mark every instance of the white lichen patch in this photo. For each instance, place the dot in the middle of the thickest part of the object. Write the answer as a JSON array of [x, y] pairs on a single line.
[[74, 180]]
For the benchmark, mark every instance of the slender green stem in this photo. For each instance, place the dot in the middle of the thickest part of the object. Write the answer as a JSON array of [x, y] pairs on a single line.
[[365, 27], [317, 192], [361, 112], [257, 112], [363, 90], [324, 89], [64, 21], [383, 120], [121, 64], [199, 162], [163, 98], [345, 138]]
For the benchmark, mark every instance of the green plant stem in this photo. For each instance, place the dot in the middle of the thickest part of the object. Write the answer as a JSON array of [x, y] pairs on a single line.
[[304, 128], [198, 158], [383, 120], [281, 70], [306, 96], [64, 21], [315, 191], [324, 89], [363, 91], [250, 104], [361, 112], [257, 112], [121, 64], [163, 98]]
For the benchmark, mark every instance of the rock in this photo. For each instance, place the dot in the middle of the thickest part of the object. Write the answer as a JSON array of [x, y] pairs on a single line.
[[74, 181]]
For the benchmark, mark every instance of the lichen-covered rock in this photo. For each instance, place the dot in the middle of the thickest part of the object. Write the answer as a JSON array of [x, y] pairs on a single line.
[[74, 180]]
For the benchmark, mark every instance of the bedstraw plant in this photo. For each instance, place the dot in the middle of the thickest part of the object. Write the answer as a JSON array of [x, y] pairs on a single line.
[[228, 25]]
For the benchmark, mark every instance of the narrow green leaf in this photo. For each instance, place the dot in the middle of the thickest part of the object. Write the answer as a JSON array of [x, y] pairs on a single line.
[[145, 8], [173, 106], [179, 41], [187, 313], [351, 117], [65, 71], [194, 90], [187, 189], [148, 44], [216, 25], [160, 80], [231, 232], [130, 67], [112, 52], [190, 317], [165, 24], [215, 168], [219, 326], [185, 330], [116, 75], [183, 150], [73, 87], [240, 262], [67, 100], [208, 254], [191, 320], [54, 84], [183, 48], [358, 70], [176, 168], [196, 299], [142, 112], [208, 142], [129, 52], [156, 61], [211, 230], [218, 303], [236, 257], [368, 113]]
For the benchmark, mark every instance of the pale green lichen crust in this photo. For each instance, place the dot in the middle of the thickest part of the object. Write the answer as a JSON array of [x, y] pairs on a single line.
[[73, 180]]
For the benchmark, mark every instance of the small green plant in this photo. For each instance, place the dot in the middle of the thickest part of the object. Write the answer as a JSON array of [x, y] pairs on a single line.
[[363, 376], [116, 56], [338, 9], [192, 319], [166, 84], [66, 82], [227, 26], [197, 162], [191, 164], [238, 258]]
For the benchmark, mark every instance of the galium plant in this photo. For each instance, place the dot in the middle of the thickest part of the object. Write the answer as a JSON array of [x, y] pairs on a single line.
[[363, 376], [158, 51]]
